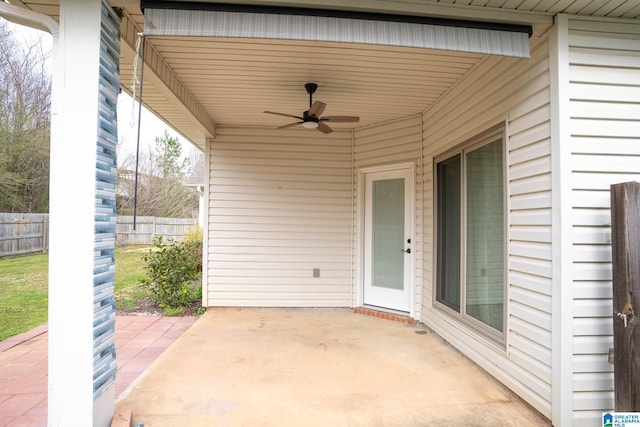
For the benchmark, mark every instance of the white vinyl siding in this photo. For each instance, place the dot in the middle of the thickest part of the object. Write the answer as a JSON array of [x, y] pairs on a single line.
[[280, 205], [604, 126], [390, 143], [515, 94], [284, 202]]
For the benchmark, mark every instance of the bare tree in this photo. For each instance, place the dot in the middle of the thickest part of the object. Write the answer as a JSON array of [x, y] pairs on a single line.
[[25, 88], [160, 182]]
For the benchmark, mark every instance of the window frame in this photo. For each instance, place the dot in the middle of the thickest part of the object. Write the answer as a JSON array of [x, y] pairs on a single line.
[[484, 138]]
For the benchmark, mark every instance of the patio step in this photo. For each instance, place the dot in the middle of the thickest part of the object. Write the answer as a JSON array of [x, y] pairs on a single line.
[[384, 315], [122, 418]]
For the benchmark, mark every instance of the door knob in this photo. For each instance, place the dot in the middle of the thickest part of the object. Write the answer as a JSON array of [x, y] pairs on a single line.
[[408, 250]]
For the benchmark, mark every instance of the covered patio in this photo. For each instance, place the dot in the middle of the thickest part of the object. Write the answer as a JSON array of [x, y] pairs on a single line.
[[494, 142], [328, 366]]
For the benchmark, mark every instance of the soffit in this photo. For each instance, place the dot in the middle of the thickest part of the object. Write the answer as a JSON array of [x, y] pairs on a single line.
[[236, 79]]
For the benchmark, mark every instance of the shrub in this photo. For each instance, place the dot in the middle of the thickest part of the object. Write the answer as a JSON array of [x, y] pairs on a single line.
[[174, 272], [193, 239], [194, 235]]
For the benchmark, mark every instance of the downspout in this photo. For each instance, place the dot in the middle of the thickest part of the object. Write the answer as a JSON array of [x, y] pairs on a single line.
[[354, 212], [418, 315], [29, 18], [205, 226]]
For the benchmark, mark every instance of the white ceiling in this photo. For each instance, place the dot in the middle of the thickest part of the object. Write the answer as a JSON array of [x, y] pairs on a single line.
[[235, 80]]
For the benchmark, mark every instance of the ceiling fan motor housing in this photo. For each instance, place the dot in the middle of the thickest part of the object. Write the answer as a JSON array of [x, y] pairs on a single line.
[[311, 88], [308, 118], [309, 122]]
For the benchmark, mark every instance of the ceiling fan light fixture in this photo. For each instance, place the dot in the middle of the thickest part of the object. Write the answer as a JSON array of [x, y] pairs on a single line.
[[312, 118]]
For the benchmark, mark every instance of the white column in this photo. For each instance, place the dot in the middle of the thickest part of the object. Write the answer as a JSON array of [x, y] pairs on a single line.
[[72, 229], [561, 228]]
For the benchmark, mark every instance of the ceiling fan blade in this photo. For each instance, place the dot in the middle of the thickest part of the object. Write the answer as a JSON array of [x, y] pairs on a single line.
[[324, 128], [283, 114], [289, 125], [341, 119], [317, 108]]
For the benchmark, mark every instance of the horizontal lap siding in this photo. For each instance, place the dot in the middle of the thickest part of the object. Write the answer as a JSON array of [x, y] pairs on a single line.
[[280, 205], [388, 143], [604, 73], [391, 143], [515, 92]]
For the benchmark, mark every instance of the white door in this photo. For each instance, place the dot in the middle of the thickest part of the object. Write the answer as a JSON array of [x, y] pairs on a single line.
[[388, 216]]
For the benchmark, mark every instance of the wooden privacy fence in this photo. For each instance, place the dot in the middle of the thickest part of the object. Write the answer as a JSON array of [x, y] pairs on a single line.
[[29, 233], [148, 228], [23, 233]]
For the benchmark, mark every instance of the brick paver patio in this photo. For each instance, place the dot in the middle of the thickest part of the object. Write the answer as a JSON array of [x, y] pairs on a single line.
[[23, 363]]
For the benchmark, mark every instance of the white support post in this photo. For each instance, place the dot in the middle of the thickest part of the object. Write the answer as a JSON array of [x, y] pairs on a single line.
[[562, 291], [73, 400]]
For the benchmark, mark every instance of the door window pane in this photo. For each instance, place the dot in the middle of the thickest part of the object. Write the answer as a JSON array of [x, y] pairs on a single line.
[[388, 233], [448, 233], [485, 235]]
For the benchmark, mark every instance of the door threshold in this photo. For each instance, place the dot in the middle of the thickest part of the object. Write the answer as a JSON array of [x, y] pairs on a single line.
[[387, 314]]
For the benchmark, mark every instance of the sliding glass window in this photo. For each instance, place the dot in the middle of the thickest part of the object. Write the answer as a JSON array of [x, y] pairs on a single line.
[[470, 233]]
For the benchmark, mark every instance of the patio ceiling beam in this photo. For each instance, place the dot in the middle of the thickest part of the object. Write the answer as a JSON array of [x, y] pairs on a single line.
[[17, 13], [325, 25], [539, 21], [333, 13], [162, 76]]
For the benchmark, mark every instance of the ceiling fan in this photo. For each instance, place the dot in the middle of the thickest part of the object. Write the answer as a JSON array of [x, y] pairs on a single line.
[[311, 118]]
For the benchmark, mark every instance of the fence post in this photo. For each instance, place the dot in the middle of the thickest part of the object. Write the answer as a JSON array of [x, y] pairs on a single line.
[[45, 232], [14, 241], [625, 242]]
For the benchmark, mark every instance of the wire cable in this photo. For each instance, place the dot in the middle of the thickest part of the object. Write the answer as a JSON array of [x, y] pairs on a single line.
[[135, 189]]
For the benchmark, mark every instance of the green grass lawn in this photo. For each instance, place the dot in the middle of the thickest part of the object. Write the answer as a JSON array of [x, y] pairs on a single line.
[[129, 274], [24, 292]]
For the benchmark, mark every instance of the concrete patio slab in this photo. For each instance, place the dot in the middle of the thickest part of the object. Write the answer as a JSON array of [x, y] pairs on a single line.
[[317, 367]]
